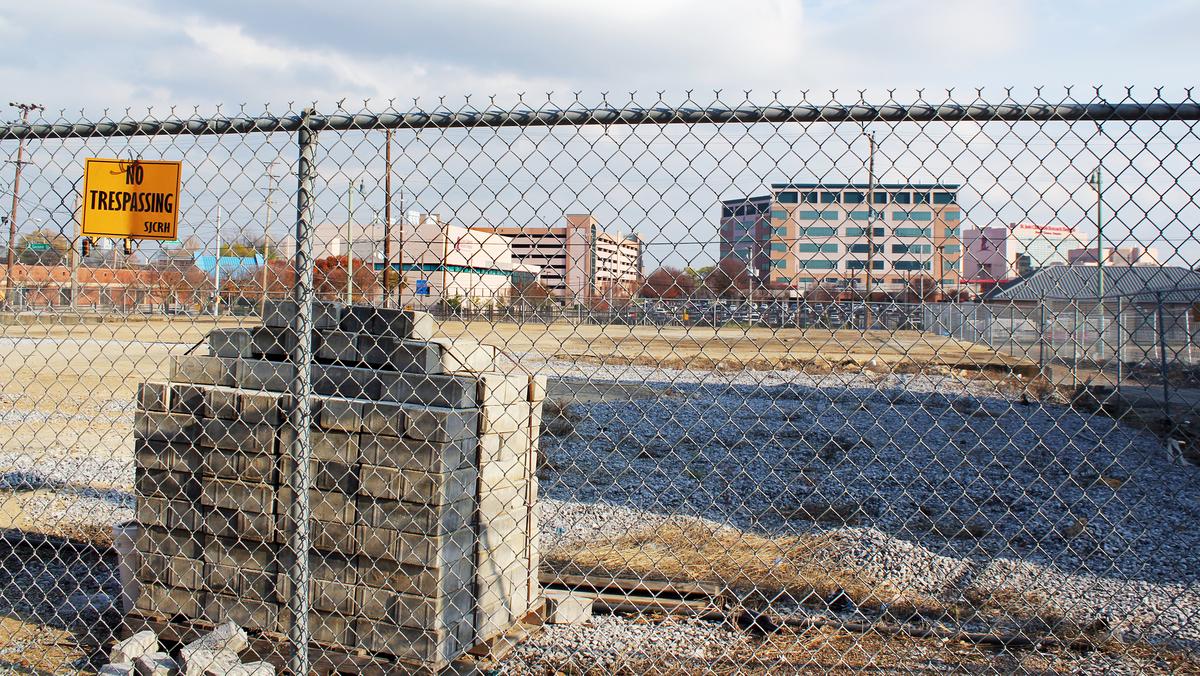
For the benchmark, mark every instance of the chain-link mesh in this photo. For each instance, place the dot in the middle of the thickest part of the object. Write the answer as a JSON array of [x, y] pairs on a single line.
[[643, 387]]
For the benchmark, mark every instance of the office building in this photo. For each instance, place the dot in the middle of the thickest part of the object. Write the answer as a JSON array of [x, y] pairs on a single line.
[[994, 254], [827, 234], [579, 262], [746, 233], [1121, 256]]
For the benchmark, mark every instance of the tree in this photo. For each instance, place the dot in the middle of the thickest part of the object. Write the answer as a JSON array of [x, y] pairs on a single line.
[[43, 247], [920, 289], [728, 277], [668, 282], [329, 279]]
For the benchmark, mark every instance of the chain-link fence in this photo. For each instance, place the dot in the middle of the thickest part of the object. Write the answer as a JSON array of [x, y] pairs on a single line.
[[621, 387]]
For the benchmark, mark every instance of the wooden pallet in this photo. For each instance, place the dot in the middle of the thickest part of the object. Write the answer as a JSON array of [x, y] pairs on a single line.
[[627, 595]]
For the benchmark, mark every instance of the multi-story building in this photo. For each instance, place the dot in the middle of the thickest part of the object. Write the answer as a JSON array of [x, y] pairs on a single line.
[[746, 232], [997, 253], [830, 233], [579, 261], [1121, 256]]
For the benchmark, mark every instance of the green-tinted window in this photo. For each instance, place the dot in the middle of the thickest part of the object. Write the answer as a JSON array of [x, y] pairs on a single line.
[[860, 215], [911, 265], [852, 198], [818, 264], [779, 214], [952, 248], [807, 247], [943, 198], [779, 263], [782, 280], [862, 232], [953, 232], [859, 264], [952, 215], [912, 216], [779, 246], [914, 232], [954, 264], [829, 198], [863, 248], [817, 232], [780, 231], [789, 197], [808, 214]]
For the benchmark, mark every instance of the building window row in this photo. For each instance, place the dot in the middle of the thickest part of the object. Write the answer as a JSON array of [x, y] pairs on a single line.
[[835, 215], [859, 197]]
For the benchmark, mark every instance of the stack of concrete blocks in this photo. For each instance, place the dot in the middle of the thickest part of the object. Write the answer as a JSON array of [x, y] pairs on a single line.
[[422, 485]]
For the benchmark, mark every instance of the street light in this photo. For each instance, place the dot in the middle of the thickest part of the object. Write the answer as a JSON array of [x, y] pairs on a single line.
[[25, 109], [1096, 180]]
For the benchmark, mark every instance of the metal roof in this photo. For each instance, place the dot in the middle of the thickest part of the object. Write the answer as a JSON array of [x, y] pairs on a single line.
[[1075, 282]]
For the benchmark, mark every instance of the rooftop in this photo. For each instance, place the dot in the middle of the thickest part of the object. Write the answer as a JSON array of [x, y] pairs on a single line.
[[864, 186], [1070, 283]]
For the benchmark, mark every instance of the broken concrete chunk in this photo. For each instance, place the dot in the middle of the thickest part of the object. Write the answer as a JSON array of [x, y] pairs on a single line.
[[207, 662], [226, 636], [252, 669], [568, 607], [155, 664], [134, 647], [117, 669]]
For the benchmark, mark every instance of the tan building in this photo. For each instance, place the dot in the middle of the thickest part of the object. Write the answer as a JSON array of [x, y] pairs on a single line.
[[579, 262]]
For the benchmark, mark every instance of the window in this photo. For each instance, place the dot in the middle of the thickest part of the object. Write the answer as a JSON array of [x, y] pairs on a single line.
[[779, 214], [779, 263], [952, 215], [807, 247], [862, 248], [789, 197], [902, 198], [910, 265], [818, 264], [912, 216], [828, 215], [779, 246], [912, 248], [879, 198], [810, 198], [953, 232], [782, 280], [952, 249], [862, 232], [943, 198], [781, 231], [861, 265], [852, 198], [953, 265], [817, 232], [914, 232], [921, 198], [829, 198], [860, 215], [726, 212]]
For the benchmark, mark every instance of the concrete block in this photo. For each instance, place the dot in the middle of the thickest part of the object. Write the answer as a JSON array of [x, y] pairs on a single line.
[[189, 399], [415, 357], [337, 346], [448, 577], [466, 356], [117, 669], [237, 435], [502, 389], [225, 636], [439, 424], [249, 613], [344, 415], [166, 456], [183, 573], [383, 418], [437, 646], [417, 611], [390, 322], [223, 402], [157, 599], [164, 542], [414, 454], [164, 484], [154, 396], [391, 483], [168, 427], [229, 343], [199, 370], [266, 408], [329, 506], [347, 382], [135, 646], [327, 476], [333, 596], [415, 518], [282, 313], [245, 466], [259, 585], [158, 512], [238, 495], [537, 389], [206, 661], [433, 390], [156, 664], [243, 554], [504, 418], [271, 376], [273, 343]]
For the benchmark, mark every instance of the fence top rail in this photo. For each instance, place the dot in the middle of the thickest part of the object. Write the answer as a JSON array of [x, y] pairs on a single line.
[[549, 117]]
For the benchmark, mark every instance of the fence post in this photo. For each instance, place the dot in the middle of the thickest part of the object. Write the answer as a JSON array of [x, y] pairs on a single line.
[[1162, 355], [1042, 338], [300, 416], [1076, 336]]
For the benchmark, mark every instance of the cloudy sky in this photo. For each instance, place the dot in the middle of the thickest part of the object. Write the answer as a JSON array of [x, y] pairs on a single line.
[[117, 55]]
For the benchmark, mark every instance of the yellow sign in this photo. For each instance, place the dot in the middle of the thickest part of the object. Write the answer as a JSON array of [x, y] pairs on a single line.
[[130, 199]]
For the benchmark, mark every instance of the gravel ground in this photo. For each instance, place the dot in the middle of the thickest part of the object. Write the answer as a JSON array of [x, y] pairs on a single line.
[[950, 486]]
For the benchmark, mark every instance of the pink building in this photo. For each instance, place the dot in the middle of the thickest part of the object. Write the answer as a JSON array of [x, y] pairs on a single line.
[[1003, 252]]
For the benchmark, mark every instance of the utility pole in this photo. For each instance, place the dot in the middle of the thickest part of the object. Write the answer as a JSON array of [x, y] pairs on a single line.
[[350, 241], [1097, 182], [217, 303], [387, 217], [25, 108], [870, 226]]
